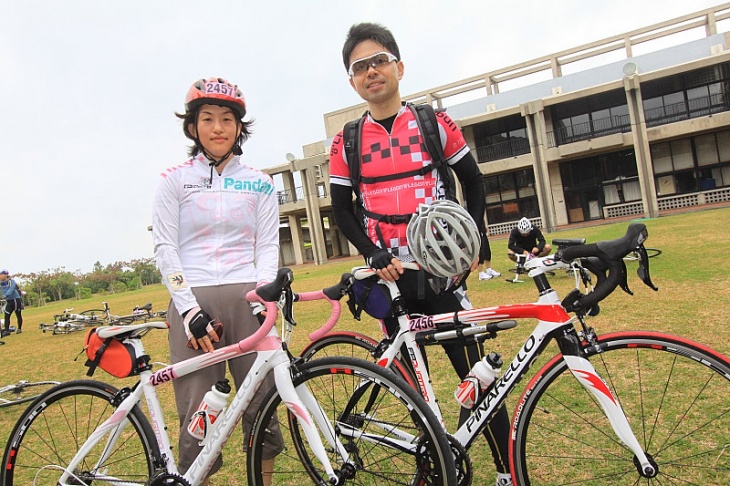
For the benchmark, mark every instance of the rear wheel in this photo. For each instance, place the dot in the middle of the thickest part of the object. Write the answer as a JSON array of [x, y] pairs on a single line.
[[390, 434], [675, 396], [50, 431]]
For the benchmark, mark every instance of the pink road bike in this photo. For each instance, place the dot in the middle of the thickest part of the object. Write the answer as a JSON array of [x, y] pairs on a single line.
[[85, 432]]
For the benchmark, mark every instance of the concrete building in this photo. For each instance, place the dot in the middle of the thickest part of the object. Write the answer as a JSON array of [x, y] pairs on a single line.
[[635, 124]]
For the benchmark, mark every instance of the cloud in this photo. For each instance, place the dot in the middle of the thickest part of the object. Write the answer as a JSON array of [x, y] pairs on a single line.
[[89, 89]]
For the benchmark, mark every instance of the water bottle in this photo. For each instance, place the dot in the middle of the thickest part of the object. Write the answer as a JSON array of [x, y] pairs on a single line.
[[483, 374], [214, 402]]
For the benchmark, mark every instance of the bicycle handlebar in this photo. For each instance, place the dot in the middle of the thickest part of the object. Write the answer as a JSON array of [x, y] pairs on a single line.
[[605, 260], [365, 272], [270, 294]]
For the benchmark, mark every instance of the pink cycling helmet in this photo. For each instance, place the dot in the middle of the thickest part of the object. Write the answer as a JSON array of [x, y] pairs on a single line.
[[215, 91]]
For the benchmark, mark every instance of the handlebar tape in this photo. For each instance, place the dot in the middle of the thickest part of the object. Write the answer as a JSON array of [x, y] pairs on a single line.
[[611, 267]]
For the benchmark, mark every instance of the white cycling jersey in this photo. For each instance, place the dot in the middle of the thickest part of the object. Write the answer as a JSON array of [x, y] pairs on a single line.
[[214, 232]]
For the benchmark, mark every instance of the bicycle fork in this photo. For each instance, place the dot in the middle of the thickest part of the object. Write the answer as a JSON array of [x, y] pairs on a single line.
[[586, 374], [302, 404]]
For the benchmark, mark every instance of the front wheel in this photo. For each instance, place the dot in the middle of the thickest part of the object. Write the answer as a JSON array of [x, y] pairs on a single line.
[[674, 393], [353, 345], [50, 431], [390, 434]]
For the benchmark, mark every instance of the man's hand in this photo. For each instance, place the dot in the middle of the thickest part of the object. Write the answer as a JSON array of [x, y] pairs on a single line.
[[386, 265], [199, 329]]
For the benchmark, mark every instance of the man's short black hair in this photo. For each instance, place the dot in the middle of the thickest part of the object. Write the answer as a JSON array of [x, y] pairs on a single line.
[[368, 31]]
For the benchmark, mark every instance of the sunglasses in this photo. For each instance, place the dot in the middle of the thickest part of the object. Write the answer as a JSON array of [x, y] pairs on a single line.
[[375, 61]]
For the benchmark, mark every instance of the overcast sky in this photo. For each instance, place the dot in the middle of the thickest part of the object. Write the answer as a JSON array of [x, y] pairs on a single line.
[[88, 91]]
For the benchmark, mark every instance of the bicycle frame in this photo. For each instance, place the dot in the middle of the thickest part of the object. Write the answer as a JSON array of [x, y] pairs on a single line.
[[270, 355], [553, 323]]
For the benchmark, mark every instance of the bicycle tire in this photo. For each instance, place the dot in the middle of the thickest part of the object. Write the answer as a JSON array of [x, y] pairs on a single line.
[[332, 381], [650, 252], [353, 345], [43, 439], [125, 320], [59, 329], [68, 327], [23, 391], [45, 327], [674, 393], [98, 314]]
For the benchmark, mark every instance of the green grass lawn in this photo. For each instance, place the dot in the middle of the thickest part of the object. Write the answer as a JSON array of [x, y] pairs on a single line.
[[692, 281]]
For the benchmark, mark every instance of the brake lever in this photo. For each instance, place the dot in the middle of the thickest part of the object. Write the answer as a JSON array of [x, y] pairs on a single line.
[[643, 269]]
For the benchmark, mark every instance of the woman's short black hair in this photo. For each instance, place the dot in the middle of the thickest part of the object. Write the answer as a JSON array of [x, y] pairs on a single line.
[[191, 117]]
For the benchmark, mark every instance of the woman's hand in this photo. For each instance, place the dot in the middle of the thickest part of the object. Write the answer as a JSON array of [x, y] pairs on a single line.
[[199, 330]]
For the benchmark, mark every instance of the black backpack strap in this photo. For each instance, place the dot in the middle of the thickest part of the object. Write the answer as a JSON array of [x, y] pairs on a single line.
[[428, 126], [352, 134], [399, 175]]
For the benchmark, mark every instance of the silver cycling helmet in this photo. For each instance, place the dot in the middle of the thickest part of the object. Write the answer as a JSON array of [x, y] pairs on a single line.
[[443, 238], [524, 226]]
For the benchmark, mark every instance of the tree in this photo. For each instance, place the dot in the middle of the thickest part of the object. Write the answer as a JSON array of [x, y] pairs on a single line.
[[62, 284], [58, 283]]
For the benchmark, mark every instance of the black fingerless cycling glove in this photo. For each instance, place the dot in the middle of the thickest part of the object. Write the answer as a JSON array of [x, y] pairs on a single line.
[[379, 259]]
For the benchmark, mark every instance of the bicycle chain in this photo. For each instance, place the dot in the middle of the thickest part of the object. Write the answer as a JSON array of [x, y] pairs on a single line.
[[168, 479]]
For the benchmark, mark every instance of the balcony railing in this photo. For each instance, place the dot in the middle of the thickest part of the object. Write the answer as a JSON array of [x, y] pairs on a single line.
[[696, 107], [290, 196], [590, 129], [503, 150]]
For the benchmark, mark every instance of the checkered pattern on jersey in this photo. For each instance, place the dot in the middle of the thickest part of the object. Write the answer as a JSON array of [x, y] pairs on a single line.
[[403, 144], [383, 154]]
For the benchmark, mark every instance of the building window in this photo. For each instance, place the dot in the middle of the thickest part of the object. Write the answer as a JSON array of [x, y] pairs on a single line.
[[592, 183], [692, 164], [586, 118], [511, 196], [689, 95], [501, 139]]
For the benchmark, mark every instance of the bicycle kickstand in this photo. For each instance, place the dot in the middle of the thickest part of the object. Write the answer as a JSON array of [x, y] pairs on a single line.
[[519, 269]]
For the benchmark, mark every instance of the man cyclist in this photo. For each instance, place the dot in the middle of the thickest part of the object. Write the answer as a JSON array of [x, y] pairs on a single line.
[[392, 148], [526, 239]]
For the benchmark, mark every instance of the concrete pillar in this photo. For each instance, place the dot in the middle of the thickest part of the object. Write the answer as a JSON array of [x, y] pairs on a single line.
[[642, 152], [289, 187], [296, 237], [534, 114], [316, 230]]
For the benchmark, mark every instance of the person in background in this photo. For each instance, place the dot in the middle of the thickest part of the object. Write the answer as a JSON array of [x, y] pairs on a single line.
[[526, 239], [485, 260], [391, 146], [215, 225], [13, 302]]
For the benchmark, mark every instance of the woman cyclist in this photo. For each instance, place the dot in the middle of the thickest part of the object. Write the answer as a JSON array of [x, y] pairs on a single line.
[[215, 225]]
